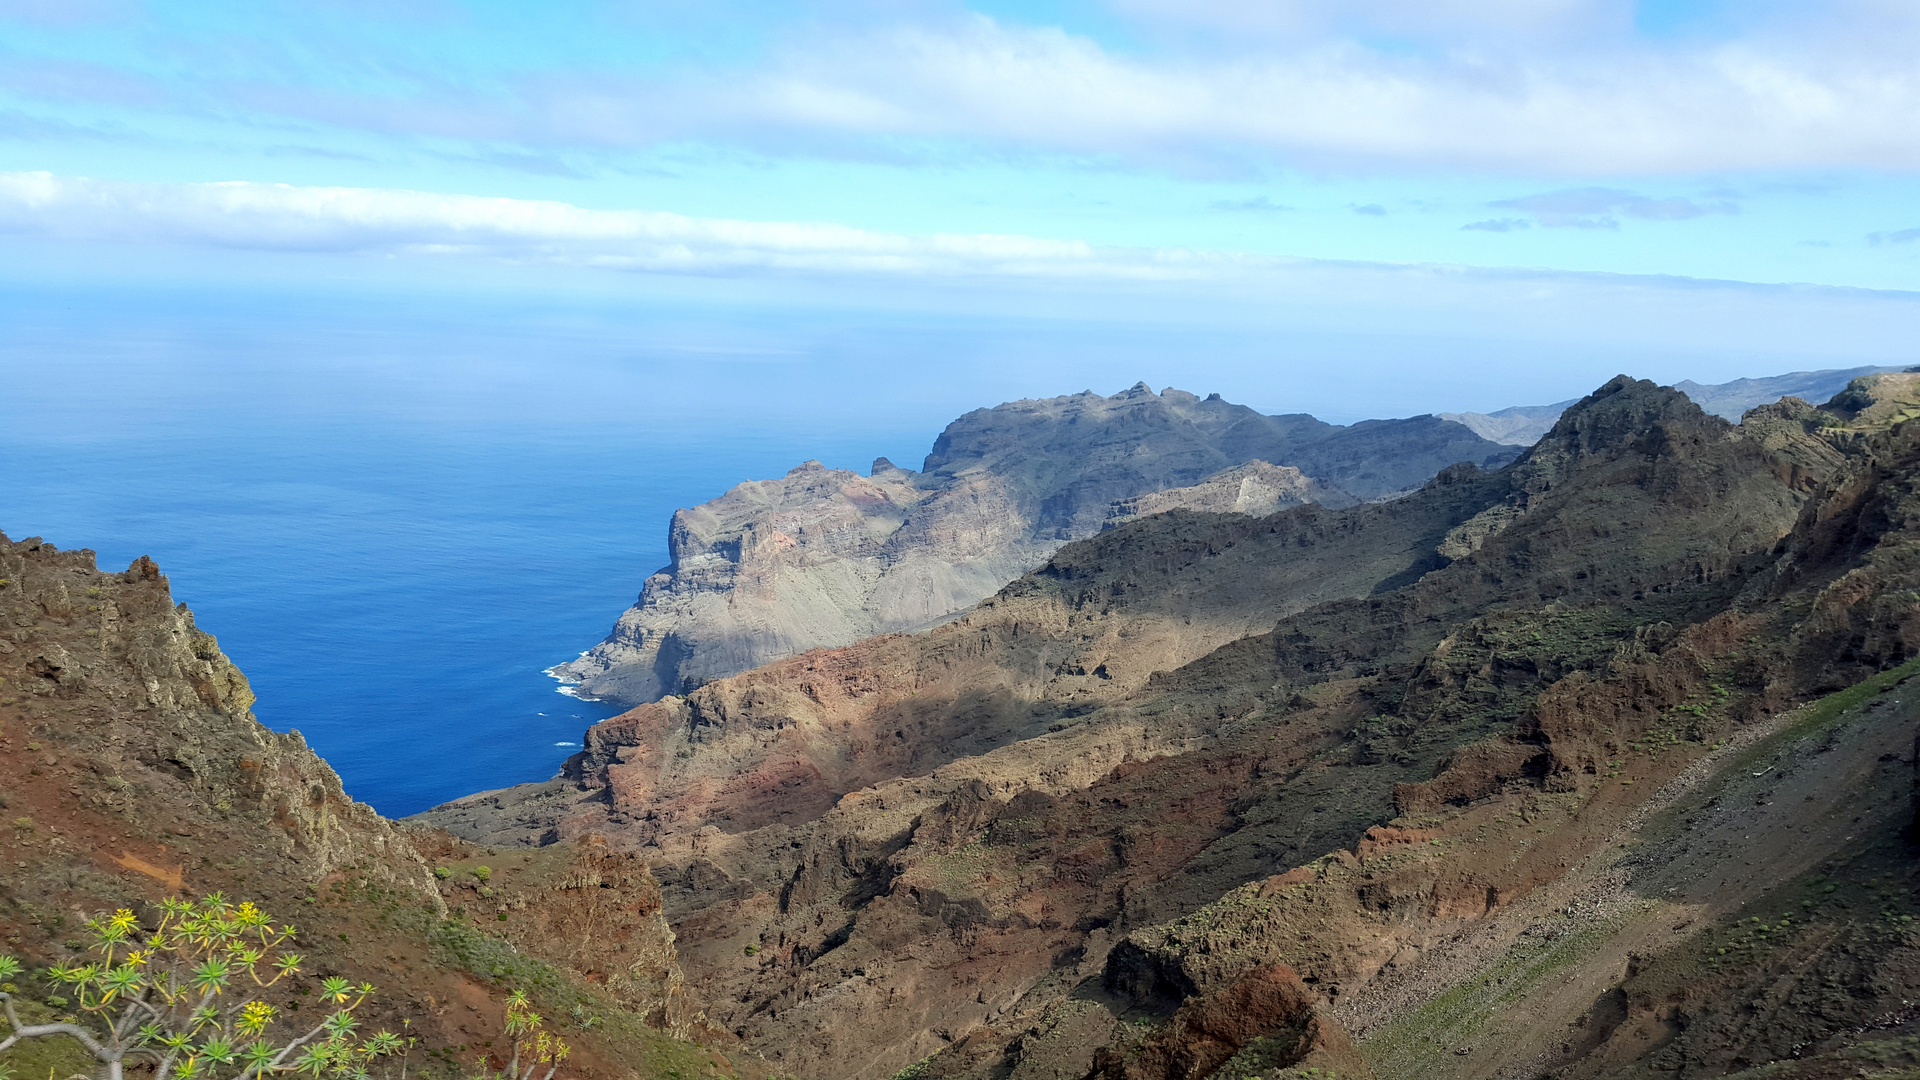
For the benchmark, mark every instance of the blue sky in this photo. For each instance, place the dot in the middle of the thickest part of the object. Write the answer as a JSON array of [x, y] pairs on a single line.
[[1291, 165]]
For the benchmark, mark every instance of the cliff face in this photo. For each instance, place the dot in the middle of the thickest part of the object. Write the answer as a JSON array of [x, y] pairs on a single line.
[[156, 702], [826, 557], [1506, 777], [131, 769]]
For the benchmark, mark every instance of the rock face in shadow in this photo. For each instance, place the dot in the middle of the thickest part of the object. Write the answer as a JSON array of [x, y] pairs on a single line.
[[1267, 1019], [1534, 771], [825, 557]]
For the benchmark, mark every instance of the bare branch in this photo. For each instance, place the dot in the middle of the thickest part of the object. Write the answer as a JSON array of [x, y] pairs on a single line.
[[35, 1031], [281, 1058], [125, 1026]]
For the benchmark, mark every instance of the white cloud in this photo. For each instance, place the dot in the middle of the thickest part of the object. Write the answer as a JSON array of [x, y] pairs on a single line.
[[1450, 18], [1617, 107], [1593, 207], [1728, 107], [378, 220], [1536, 87]]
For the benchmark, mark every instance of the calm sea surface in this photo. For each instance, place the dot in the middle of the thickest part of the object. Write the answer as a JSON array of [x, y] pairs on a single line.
[[393, 541], [394, 598]]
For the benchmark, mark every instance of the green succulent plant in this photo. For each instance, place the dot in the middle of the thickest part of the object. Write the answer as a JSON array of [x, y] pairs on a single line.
[[180, 997]]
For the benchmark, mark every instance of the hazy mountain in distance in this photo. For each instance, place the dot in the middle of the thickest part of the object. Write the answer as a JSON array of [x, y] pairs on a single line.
[[1523, 425], [1519, 425]]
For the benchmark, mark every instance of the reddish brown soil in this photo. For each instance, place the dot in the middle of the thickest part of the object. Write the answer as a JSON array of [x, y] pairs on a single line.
[[132, 770]]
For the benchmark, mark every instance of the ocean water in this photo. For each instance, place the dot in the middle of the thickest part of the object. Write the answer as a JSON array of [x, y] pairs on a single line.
[[392, 537], [394, 596]]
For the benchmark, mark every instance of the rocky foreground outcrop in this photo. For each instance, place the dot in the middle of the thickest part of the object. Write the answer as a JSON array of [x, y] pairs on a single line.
[[825, 557], [1514, 776], [132, 769]]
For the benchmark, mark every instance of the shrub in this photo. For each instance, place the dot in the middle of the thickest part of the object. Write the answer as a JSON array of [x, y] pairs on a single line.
[[533, 1044], [157, 997]]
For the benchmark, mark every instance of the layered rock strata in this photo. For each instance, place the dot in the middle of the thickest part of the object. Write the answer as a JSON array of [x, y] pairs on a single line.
[[825, 557]]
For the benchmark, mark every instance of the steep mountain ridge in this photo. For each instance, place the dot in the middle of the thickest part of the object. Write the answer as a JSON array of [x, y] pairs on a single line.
[[1316, 741], [132, 769], [826, 557]]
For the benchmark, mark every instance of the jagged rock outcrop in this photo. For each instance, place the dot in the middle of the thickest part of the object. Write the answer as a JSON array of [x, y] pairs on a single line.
[[161, 698], [825, 557], [1265, 1021], [132, 769], [1420, 753]]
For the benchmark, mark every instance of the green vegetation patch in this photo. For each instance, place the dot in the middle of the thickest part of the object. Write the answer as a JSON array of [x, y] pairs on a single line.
[[918, 1069], [490, 957], [1819, 718], [1407, 1046]]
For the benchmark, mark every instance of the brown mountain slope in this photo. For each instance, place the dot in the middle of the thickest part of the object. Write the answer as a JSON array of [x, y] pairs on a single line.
[[131, 769], [785, 742], [1023, 870]]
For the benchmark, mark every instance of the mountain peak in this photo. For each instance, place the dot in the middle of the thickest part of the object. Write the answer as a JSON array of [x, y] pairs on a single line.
[[1621, 410]]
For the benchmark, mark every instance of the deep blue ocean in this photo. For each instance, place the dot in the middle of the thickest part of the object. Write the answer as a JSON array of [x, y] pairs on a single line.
[[392, 543], [394, 596]]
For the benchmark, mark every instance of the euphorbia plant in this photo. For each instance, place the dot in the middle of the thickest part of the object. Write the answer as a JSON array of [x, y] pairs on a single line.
[[533, 1044], [183, 997]]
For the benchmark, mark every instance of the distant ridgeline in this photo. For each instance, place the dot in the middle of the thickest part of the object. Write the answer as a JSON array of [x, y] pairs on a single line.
[[825, 557], [1523, 425]]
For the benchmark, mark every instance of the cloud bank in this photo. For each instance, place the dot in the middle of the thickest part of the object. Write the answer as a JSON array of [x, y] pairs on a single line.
[[282, 217], [1571, 88], [387, 222], [1540, 108]]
